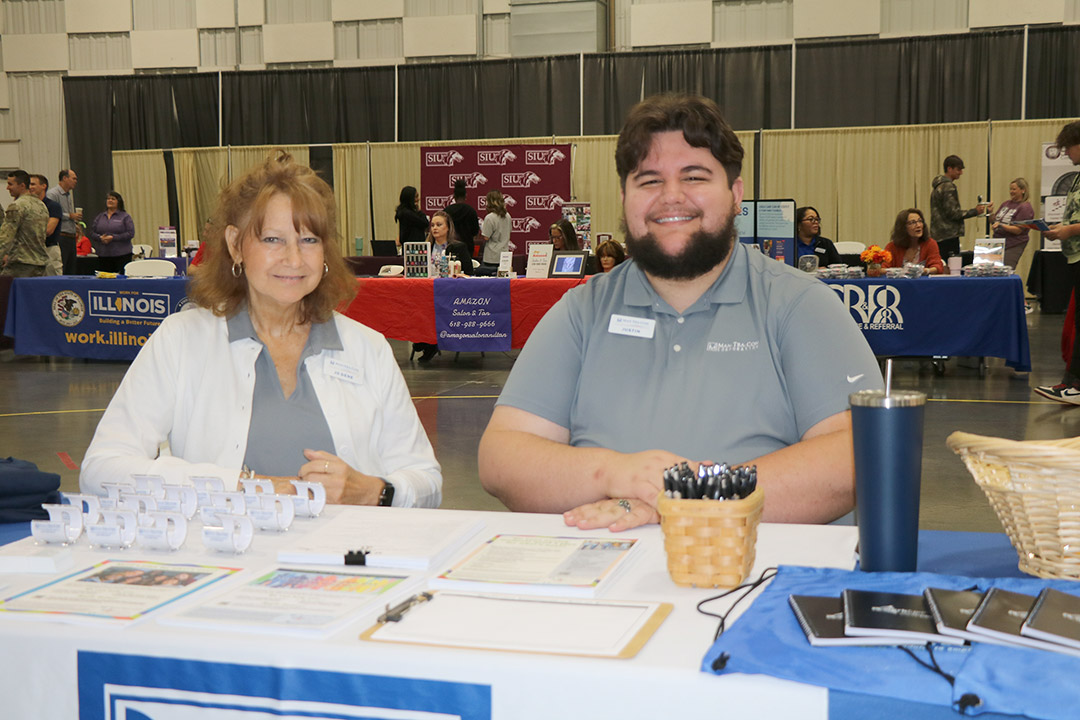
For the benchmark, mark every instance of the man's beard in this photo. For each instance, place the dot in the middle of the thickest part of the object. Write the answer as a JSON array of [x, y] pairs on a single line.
[[704, 251]]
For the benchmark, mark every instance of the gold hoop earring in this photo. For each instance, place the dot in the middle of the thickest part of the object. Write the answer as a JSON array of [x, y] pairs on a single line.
[[237, 269]]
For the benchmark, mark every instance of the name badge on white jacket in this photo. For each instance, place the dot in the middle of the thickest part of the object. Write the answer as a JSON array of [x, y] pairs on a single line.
[[343, 371]]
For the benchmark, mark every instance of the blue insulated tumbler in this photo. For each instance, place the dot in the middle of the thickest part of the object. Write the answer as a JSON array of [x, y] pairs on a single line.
[[887, 433]]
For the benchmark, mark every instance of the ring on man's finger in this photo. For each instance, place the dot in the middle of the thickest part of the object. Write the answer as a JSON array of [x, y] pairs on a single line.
[[624, 504]]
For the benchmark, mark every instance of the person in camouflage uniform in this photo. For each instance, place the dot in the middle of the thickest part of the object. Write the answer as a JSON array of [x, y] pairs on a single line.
[[22, 237], [946, 215], [1068, 232]]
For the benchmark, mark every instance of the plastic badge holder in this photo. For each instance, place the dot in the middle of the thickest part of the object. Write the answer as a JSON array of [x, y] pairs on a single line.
[[310, 498], [223, 503], [138, 503], [90, 506], [275, 512], [150, 485], [116, 530], [204, 485], [234, 535], [64, 526], [252, 486], [113, 491], [166, 531], [181, 499]]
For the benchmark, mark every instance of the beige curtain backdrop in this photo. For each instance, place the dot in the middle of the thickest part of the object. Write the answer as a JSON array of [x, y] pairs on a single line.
[[139, 176], [860, 178], [200, 176], [857, 178], [1015, 151], [352, 189]]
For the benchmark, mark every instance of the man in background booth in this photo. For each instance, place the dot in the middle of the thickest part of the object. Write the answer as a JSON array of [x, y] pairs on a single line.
[[466, 221], [946, 216], [696, 349], [22, 237], [39, 185], [69, 231]]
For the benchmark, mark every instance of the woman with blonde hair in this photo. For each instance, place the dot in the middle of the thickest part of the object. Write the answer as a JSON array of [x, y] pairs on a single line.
[[1015, 209], [263, 378], [495, 229]]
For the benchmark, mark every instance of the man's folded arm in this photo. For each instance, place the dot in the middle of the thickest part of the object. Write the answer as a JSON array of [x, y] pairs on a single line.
[[812, 481], [527, 462]]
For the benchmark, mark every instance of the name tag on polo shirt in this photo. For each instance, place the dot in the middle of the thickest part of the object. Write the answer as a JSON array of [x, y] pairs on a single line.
[[632, 326], [343, 371]]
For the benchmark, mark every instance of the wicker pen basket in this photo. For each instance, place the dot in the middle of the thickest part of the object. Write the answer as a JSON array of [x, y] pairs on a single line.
[[710, 543], [1034, 486]]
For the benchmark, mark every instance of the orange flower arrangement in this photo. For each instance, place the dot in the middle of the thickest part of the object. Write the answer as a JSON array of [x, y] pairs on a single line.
[[875, 254]]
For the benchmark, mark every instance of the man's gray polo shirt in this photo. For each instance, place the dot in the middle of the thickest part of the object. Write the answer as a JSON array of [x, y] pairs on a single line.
[[283, 427], [765, 354]]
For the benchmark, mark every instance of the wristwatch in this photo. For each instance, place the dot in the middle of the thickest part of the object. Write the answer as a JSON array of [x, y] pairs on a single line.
[[386, 497]]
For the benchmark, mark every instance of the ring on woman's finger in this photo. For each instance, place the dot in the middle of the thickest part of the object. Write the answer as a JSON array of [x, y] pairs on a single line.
[[326, 466], [624, 504]]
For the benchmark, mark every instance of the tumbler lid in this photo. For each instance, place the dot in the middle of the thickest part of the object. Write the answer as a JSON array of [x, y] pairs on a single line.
[[878, 398]]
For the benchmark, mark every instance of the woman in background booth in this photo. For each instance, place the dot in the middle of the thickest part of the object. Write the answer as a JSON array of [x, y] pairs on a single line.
[[1015, 209], [111, 234], [495, 230], [808, 227], [610, 254], [911, 243], [563, 236], [412, 224], [444, 247], [264, 374]]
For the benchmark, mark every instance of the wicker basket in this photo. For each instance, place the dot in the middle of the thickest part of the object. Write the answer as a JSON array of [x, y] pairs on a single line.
[[1034, 487], [710, 543]]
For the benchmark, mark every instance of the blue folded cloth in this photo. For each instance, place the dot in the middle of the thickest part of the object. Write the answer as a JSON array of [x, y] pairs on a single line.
[[23, 488]]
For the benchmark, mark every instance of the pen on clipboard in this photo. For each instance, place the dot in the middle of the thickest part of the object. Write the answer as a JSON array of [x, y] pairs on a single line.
[[394, 614]]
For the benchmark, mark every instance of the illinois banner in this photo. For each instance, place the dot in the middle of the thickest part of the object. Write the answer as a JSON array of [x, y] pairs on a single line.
[[89, 318], [534, 181]]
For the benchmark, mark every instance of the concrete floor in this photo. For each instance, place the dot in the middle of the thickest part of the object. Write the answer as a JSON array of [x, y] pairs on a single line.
[[50, 406]]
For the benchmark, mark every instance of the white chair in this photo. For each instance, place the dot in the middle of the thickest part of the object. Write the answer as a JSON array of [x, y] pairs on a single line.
[[849, 247], [150, 268], [141, 252]]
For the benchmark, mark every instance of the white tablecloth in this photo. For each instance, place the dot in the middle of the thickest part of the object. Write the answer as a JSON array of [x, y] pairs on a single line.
[[51, 669]]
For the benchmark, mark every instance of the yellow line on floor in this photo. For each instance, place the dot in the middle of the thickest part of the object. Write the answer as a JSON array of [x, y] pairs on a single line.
[[51, 412]]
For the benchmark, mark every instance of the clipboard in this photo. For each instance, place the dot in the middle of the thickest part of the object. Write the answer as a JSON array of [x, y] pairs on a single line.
[[514, 623]]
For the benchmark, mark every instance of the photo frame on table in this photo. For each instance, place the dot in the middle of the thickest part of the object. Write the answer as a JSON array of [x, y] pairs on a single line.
[[568, 264]]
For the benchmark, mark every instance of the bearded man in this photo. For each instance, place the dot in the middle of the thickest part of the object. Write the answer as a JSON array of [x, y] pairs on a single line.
[[699, 349]]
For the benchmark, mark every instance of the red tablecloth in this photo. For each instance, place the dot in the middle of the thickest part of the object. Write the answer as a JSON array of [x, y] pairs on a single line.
[[404, 309]]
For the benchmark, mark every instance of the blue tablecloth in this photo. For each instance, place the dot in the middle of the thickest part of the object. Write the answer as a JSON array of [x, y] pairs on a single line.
[[85, 317], [966, 316]]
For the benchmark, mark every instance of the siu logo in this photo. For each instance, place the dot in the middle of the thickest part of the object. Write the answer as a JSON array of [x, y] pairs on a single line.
[[876, 308], [520, 180], [437, 202], [525, 224], [472, 180], [544, 157], [543, 202], [442, 158], [495, 157], [508, 201]]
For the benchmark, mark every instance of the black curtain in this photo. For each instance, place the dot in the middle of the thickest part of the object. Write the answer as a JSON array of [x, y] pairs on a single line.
[[612, 87], [547, 93], [947, 78], [275, 107], [751, 85], [365, 105], [164, 111], [490, 99], [195, 98], [88, 109], [1053, 89]]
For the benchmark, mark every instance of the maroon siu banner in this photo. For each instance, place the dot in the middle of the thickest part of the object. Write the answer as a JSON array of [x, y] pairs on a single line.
[[534, 181]]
